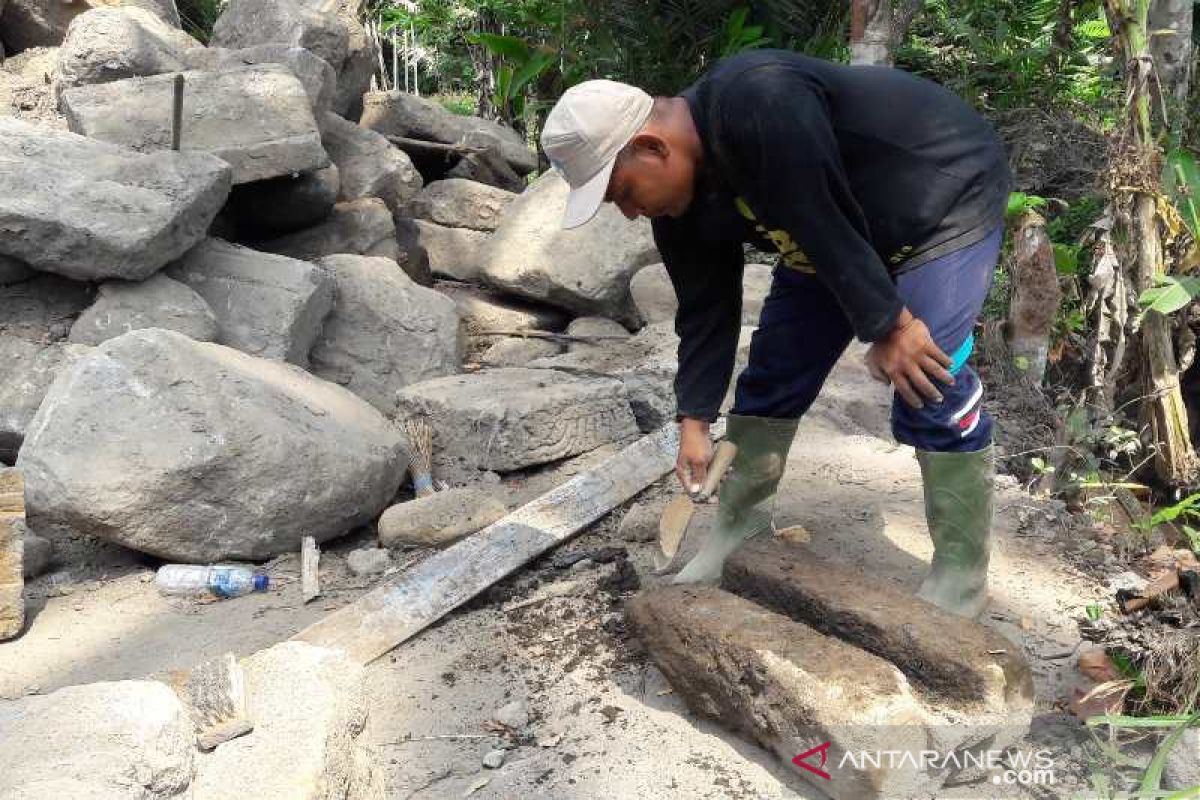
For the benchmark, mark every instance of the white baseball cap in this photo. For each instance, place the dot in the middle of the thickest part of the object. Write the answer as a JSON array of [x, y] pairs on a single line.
[[584, 132]]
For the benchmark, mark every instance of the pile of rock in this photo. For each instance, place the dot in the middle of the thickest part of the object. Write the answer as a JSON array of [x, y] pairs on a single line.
[[210, 345]]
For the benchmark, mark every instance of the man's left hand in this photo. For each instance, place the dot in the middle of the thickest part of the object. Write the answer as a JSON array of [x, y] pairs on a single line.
[[907, 358]]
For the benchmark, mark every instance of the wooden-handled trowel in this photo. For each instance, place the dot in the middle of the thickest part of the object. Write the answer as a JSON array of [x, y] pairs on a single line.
[[674, 544]]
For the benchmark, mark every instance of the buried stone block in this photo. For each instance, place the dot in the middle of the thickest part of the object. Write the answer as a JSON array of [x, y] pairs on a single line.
[[953, 662], [792, 689]]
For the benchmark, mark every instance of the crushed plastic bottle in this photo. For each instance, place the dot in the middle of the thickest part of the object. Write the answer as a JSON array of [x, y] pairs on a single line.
[[222, 581]]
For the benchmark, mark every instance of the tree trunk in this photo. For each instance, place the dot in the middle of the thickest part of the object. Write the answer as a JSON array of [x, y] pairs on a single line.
[[1171, 45], [1135, 194], [877, 27], [1036, 296]]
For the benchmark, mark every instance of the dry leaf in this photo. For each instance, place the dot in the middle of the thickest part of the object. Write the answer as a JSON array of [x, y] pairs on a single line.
[[1098, 666]]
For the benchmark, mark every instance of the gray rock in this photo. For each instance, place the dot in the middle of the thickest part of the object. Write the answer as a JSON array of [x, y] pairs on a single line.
[[313, 72], [368, 560], [494, 759], [39, 553], [518, 352], [44, 307], [439, 519], [515, 715], [385, 332], [111, 44], [406, 115], [596, 326], [285, 204], [245, 23], [359, 227], [585, 270], [29, 369], [354, 73], [506, 419], [640, 523], [157, 302], [370, 166], [309, 708], [1182, 770], [59, 189], [458, 203], [654, 296], [195, 452], [258, 118], [102, 740], [651, 394], [266, 305], [483, 310], [44, 23], [452, 252]]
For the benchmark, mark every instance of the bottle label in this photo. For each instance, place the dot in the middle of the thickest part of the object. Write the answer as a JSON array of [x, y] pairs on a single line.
[[221, 584]]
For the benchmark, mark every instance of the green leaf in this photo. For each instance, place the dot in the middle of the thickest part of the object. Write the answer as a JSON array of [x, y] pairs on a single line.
[[505, 46], [1170, 295], [1181, 179], [531, 69], [1019, 203], [1066, 259]]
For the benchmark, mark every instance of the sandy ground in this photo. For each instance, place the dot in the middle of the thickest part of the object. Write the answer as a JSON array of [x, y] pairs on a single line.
[[603, 722]]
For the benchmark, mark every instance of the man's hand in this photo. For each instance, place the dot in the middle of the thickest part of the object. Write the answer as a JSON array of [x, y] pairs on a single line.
[[695, 451], [907, 358]]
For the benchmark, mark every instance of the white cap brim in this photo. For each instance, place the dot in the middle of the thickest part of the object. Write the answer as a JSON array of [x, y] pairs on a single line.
[[585, 201]]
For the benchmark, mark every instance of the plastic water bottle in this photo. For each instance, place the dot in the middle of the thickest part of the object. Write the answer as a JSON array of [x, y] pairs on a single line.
[[220, 580]]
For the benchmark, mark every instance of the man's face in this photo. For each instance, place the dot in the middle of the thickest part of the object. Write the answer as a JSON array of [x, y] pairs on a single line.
[[651, 180]]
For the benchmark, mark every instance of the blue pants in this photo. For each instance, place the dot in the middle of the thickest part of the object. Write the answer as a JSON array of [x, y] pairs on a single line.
[[802, 333]]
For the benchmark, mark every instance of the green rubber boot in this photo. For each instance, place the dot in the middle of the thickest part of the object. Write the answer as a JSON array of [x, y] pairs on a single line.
[[747, 494], [958, 508]]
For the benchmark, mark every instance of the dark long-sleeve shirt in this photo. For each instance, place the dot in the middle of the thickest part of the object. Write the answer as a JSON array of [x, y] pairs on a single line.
[[852, 173]]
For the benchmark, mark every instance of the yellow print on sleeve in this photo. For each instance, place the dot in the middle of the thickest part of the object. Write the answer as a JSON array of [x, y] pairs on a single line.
[[790, 253]]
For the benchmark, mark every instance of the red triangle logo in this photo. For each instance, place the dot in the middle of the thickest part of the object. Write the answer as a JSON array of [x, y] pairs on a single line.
[[823, 749]]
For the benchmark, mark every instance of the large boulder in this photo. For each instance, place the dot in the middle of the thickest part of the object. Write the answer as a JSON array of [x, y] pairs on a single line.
[[29, 369], [359, 227], [257, 118], [266, 305], [654, 295], [44, 23], [91, 210], [452, 252], [195, 452], [44, 307], [110, 44], [585, 270], [506, 419], [309, 707], [354, 73], [458, 203], [245, 23], [411, 117], [318, 78], [385, 332], [157, 302], [369, 165], [128, 739], [285, 204]]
